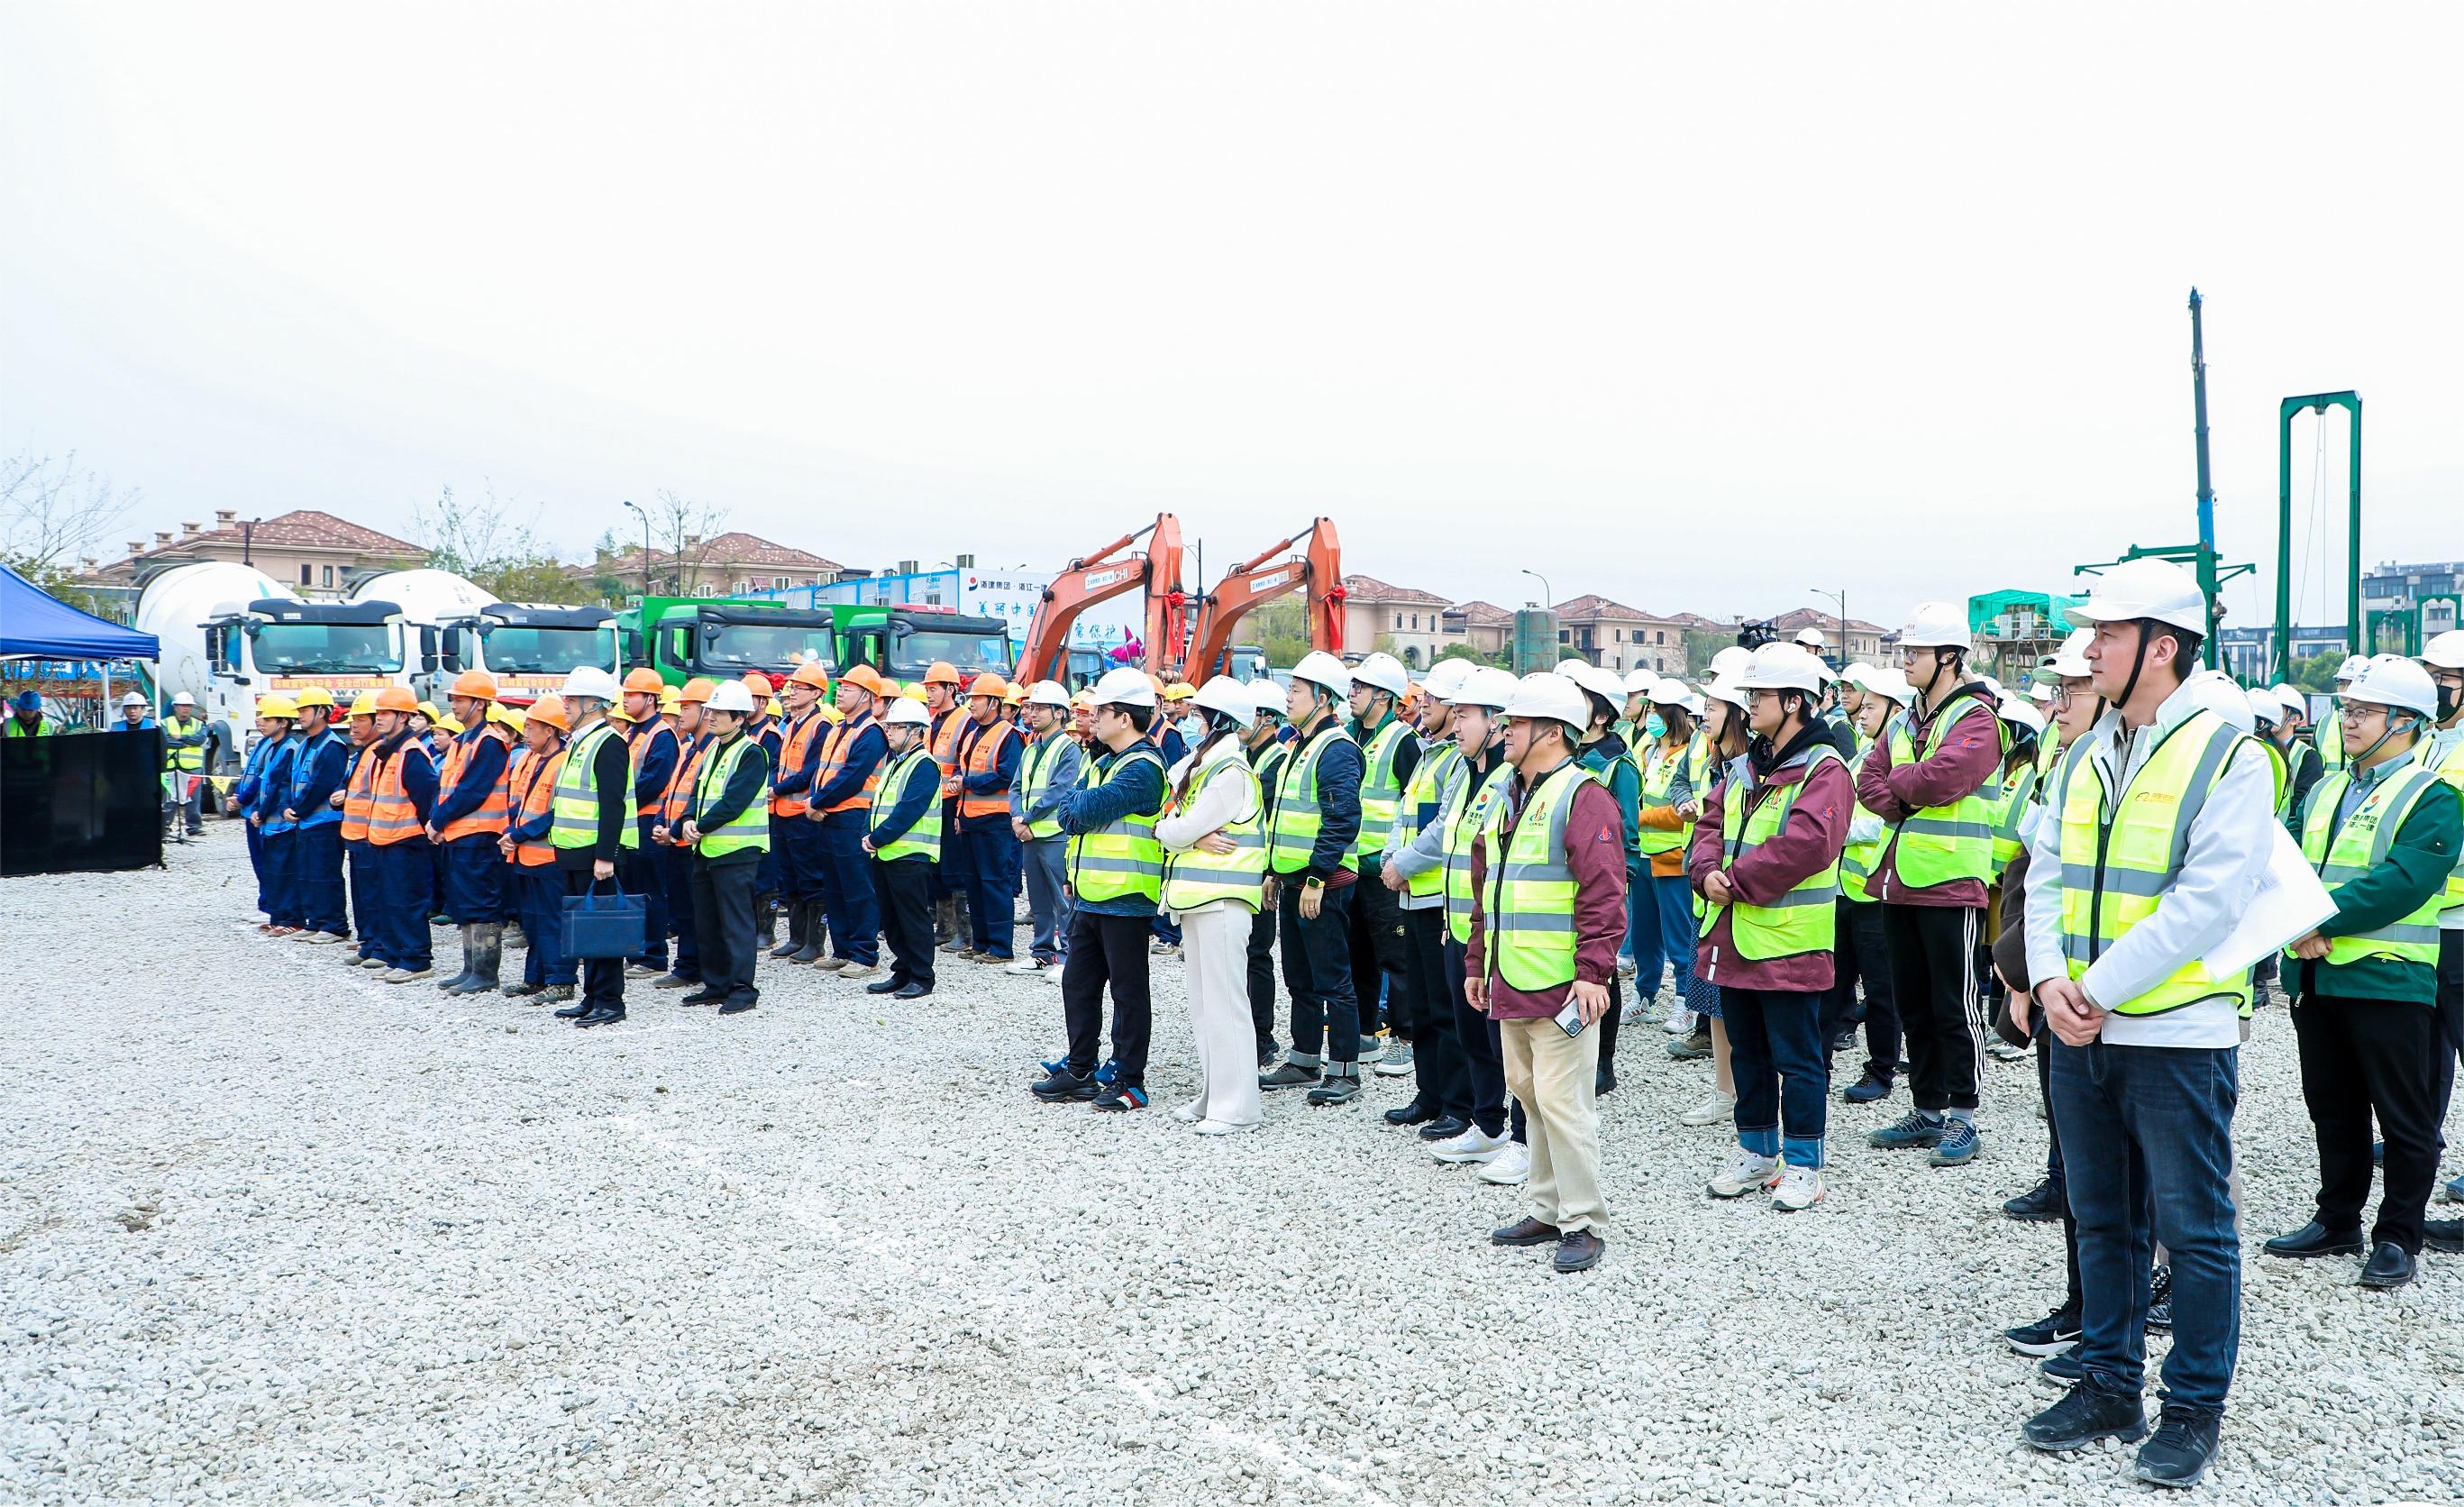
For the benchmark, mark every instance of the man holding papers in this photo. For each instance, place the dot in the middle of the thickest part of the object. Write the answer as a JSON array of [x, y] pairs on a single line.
[[2160, 823]]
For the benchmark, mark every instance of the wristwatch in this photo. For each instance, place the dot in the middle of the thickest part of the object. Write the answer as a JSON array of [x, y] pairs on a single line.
[[1312, 882]]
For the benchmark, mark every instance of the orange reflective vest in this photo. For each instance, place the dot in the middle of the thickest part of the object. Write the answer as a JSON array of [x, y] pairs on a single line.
[[792, 748], [984, 757], [535, 796], [636, 741], [945, 749], [391, 817], [680, 784], [489, 817], [834, 758], [360, 795]]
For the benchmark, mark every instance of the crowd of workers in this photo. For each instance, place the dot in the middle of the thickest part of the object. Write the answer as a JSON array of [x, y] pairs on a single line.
[[1463, 876]]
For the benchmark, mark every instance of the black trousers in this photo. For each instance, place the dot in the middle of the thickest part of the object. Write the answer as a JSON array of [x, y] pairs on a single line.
[[1379, 952], [1262, 979], [2450, 1013], [1438, 1066], [1859, 956], [1484, 1059], [905, 886], [722, 920], [603, 979], [639, 871], [1317, 971], [2360, 1059], [1932, 951], [1108, 950], [2071, 1297]]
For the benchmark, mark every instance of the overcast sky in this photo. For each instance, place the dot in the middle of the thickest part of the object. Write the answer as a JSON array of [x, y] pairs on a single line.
[[1696, 306]]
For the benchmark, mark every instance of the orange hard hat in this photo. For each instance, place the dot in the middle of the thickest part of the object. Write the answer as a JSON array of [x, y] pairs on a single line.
[[941, 673], [760, 684], [645, 679], [865, 677], [810, 673], [549, 709], [1155, 680], [696, 689], [479, 683], [396, 698], [988, 684]]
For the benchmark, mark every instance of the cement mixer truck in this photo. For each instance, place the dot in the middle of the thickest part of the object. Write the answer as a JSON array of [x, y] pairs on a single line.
[[529, 646]]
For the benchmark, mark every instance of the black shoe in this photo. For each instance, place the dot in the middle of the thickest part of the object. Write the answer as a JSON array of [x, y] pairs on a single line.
[[1525, 1231], [1873, 1088], [704, 996], [890, 985], [576, 1010], [2062, 1369], [673, 980], [2040, 1204], [1268, 1055], [604, 1015], [737, 1005], [2390, 1265], [1290, 1075], [1580, 1252], [2184, 1446], [1414, 1112], [1845, 1041], [2160, 1300], [1119, 1099], [524, 990], [2089, 1413], [2444, 1236], [1060, 1086], [911, 991], [1603, 1082], [1445, 1127], [2315, 1239], [2051, 1334]]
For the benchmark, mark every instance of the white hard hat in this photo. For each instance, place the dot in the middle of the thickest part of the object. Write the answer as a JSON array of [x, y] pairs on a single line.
[[1730, 662], [184, 699], [905, 711], [2395, 681], [2043, 694], [2290, 697], [1567, 665], [2213, 691], [1047, 692], [2352, 666], [1224, 694], [1724, 689], [2070, 661], [1269, 698], [1600, 682], [132, 698], [1858, 673], [1810, 638], [1489, 687], [2446, 652], [594, 683], [1384, 672], [1319, 668], [1125, 687], [1936, 625], [1553, 697], [1447, 677], [1693, 703], [1670, 692], [2019, 713], [2146, 587], [2264, 707], [1890, 685], [1641, 682], [732, 695], [1782, 667]]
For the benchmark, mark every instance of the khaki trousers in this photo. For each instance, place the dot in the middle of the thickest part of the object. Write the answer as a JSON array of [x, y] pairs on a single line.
[[1552, 1075]]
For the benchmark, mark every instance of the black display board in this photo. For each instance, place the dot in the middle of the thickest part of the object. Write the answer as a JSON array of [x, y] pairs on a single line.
[[81, 801]]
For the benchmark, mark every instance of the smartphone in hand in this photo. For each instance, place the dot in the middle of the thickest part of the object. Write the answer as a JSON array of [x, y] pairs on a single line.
[[1570, 1020]]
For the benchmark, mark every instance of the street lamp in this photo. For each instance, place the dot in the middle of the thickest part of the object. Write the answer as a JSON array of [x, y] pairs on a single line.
[[645, 547], [1839, 596], [1547, 598]]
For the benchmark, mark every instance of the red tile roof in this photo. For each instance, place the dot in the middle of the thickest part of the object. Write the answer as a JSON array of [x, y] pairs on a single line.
[[1797, 617], [723, 550], [1482, 614], [301, 528], [1594, 607], [1369, 589]]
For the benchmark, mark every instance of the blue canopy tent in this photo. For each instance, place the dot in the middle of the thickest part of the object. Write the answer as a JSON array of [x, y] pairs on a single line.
[[36, 624], [75, 803]]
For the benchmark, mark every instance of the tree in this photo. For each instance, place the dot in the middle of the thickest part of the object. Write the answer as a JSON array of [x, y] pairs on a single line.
[[480, 542], [682, 530], [1467, 651], [1281, 627], [1700, 644], [51, 512], [2315, 674]]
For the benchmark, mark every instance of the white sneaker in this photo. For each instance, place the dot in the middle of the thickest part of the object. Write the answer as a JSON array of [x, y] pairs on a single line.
[[1223, 1127], [1052, 974], [1188, 1113], [1746, 1173], [1711, 1110], [1472, 1145], [1510, 1165], [1679, 1022], [1024, 966], [1798, 1188]]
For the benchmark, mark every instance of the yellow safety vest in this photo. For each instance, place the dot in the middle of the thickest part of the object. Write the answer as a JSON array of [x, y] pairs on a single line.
[[1035, 777], [575, 804], [1465, 819], [1420, 806], [2451, 768], [2119, 856], [1380, 793], [2008, 806], [191, 758], [925, 836], [2330, 740], [1658, 775], [2361, 845], [1121, 857], [1804, 920], [1193, 878], [1857, 860], [749, 827], [1529, 920], [1293, 832], [1943, 843]]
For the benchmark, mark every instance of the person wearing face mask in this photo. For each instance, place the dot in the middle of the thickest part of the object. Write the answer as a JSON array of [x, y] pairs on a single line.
[[1413, 869], [1214, 881], [1927, 779]]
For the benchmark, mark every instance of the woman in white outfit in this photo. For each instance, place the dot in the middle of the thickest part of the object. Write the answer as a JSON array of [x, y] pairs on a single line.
[[1214, 879]]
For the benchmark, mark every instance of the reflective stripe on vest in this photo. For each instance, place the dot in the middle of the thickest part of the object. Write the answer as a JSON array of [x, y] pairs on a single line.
[[1659, 777], [576, 798], [1380, 793], [1195, 877], [984, 757], [191, 760], [925, 836], [296, 797], [1943, 843], [636, 743], [1422, 806], [2361, 845], [1464, 818], [359, 796], [391, 817], [2120, 856], [1802, 920], [834, 755], [1857, 860], [490, 816], [2018, 792], [1528, 932], [533, 786], [792, 749], [749, 827], [1035, 777], [1292, 834], [1121, 857], [946, 733], [677, 798]]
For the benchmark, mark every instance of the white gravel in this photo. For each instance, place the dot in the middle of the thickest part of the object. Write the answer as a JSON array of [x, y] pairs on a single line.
[[271, 1231]]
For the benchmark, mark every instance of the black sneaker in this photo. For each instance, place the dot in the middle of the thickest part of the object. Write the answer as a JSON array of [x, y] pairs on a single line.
[[2184, 1446], [2038, 1205], [1060, 1086], [1291, 1075], [2063, 1369], [2051, 1334], [1873, 1088], [2444, 1235], [2089, 1413], [2160, 1300], [1120, 1097]]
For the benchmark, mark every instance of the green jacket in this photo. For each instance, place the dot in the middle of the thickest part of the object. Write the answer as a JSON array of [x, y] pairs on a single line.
[[2416, 868], [1625, 783]]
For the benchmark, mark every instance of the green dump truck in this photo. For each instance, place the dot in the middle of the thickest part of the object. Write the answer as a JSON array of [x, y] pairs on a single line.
[[722, 637]]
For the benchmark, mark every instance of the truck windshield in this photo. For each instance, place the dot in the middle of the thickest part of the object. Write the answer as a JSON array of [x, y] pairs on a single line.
[[1248, 663], [762, 646], [972, 653], [548, 651], [327, 649]]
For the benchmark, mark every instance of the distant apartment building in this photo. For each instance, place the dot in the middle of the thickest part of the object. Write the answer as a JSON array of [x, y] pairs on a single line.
[[314, 553], [1414, 620], [733, 563], [1855, 642]]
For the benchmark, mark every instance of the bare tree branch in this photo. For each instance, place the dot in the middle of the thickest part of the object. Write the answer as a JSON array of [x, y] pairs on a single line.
[[52, 510]]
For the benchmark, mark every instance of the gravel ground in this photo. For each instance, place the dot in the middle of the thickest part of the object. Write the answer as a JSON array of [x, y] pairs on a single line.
[[271, 1232]]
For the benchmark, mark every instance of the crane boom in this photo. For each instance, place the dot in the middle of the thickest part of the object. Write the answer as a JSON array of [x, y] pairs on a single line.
[[1253, 582], [1101, 576]]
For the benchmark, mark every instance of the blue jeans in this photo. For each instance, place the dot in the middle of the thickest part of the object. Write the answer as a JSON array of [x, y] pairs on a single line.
[[1783, 1072], [992, 886], [317, 877], [1659, 925], [848, 900], [541, 887], [2150, 1130], [1047, 894]]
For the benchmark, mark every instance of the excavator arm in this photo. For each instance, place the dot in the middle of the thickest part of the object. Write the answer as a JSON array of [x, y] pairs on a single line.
[[1253, 582], [1099, 577]]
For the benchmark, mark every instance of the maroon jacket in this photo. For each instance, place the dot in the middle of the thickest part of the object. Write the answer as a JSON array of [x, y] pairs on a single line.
[[1970, 752], [1806, 843], [1595, 853]]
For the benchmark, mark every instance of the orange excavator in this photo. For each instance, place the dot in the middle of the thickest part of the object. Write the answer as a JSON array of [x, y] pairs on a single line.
[[1253, 582], [1102, 576]]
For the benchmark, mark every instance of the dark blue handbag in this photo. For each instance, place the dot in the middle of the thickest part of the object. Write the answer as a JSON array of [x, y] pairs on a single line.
[[613, 925]]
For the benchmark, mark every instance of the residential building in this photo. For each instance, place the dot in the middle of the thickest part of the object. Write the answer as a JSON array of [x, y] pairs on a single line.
[[1486, 627], [1619, 637], [1411, 619], [1863, 640], [2250, 652], [2423, 597], [733, 563], [314, 553]]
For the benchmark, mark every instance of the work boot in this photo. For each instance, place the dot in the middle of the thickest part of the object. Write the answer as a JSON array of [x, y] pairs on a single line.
[[945, 920], [454, 984], [808, 928], [798, 937], [492, 958], [765, 906], [962, 923], [574, 1010]]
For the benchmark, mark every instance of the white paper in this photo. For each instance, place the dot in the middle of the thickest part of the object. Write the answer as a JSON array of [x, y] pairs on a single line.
[[2290, 902]]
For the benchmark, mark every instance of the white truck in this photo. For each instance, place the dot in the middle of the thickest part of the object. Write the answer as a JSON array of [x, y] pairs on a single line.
[[529, 646]]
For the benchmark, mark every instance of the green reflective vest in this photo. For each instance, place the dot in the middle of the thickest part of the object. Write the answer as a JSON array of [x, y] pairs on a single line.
[[1193, 878], [1857, 860], [1527, 925], [1943, 843], [15, 727], [2119, 856], [2010, 804], [2361, 845], [925, 835], [1804, 919], [1380, 793], [1036, 778], [1293, 832], [575, 804], [1420, 807], [1465, 816], [2451, 768], [2330, 739], [1659, 777], [749, 827], [1121, 857], [191, 758]]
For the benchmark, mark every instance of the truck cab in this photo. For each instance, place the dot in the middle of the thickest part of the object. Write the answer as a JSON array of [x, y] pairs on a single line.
[[903, 642], [722, 637], [1247, 662], [530, 648], [280, 646]]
